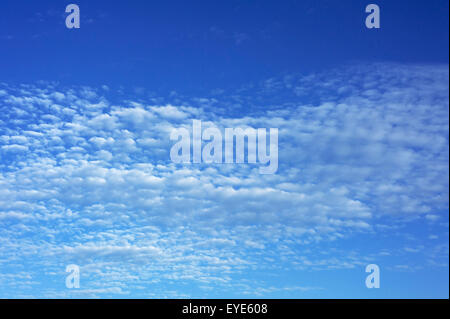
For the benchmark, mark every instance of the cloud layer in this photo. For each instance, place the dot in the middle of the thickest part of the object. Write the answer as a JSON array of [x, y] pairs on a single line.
[[86, 178]]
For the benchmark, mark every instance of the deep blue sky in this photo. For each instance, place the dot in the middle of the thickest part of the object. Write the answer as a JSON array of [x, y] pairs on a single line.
[[207, 44]]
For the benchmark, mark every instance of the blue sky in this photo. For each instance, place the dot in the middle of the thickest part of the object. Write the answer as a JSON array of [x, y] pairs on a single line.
[[86, 177]]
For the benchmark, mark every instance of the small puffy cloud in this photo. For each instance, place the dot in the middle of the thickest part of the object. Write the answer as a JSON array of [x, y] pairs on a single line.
[[88, 179]]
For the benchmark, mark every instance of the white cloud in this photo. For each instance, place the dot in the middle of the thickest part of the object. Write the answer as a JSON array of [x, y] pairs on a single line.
[[82, 180]]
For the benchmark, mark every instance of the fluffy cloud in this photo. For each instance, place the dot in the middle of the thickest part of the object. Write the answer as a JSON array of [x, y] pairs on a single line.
[[87, 179]]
